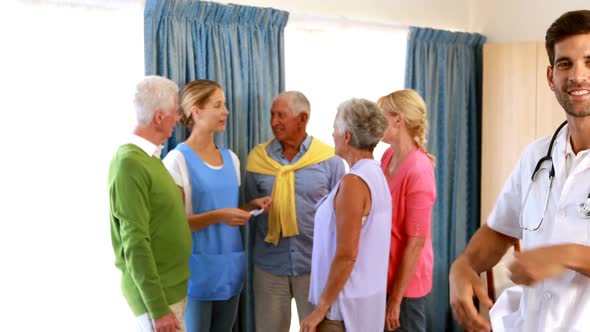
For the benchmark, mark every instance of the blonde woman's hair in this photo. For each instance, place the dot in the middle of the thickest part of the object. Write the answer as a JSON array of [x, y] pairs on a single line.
[[195, 93], [409, 103]]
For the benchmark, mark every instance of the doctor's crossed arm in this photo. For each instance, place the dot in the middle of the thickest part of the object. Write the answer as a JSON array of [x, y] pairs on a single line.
[[533, 266], [529, 198], [485, 249]]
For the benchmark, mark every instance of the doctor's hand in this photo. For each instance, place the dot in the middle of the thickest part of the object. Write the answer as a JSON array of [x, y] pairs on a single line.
[[532, 266], [464, 284]]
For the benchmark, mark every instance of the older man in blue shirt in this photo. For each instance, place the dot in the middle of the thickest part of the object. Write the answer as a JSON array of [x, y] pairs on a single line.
[[282, 271]]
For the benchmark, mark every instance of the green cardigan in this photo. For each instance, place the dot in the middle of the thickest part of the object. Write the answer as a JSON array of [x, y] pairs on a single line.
[[149, 230]]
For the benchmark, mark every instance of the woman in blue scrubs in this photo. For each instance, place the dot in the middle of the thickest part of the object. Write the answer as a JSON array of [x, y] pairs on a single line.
[[209, 177]]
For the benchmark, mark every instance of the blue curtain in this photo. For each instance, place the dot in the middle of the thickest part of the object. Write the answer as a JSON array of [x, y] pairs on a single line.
[[241, 48], [446, 69]]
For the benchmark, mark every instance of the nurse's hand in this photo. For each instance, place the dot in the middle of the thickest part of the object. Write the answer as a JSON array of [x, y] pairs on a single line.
[[464, 284], [532, 266], [236, 217]]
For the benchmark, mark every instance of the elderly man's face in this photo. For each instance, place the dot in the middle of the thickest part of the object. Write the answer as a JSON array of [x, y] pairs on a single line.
[[169, 119], [286, 125]]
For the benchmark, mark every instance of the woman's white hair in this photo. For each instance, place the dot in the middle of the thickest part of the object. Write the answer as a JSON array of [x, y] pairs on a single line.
[[153, 93], [364, 120]]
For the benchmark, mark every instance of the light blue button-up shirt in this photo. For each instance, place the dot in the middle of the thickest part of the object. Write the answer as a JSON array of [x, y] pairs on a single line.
[[292, 256]]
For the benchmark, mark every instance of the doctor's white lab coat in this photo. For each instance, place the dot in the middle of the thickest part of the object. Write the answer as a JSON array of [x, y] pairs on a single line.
[[561, 303]]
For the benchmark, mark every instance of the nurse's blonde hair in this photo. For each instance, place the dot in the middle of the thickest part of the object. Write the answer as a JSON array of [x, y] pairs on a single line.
[[409, 103], [196, 93]]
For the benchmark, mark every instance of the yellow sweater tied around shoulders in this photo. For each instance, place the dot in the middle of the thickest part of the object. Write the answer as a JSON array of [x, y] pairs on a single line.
[[282, 219]]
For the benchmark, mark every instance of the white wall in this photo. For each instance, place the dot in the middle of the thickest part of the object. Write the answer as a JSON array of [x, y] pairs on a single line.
[[498, 20], [518, 20], [448, 14]]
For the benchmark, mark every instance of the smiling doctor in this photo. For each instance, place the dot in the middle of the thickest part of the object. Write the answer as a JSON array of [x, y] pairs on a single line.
[[546, 203]]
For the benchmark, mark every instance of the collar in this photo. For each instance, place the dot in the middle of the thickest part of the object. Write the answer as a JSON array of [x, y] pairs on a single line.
[[566, 145], [148, 147], [569, 151], [562, 142], [276, 147]]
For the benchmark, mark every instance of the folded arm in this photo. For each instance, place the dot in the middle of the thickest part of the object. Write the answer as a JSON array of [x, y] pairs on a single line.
[[541, 263]]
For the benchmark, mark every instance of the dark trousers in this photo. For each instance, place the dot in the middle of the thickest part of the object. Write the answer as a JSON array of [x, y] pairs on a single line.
[[211, 316], [412, 315]]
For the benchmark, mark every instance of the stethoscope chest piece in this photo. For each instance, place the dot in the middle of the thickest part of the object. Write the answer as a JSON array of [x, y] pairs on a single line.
[[584, 209]]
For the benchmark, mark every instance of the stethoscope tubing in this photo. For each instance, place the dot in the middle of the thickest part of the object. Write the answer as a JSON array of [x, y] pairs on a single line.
[[584, 208]]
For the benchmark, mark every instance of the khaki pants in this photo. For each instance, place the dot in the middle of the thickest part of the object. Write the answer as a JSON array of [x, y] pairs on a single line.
[[272, 300], [331, 326], [144, 322]]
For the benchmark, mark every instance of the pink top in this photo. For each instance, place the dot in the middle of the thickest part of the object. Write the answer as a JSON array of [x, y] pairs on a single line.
[[413, 192]]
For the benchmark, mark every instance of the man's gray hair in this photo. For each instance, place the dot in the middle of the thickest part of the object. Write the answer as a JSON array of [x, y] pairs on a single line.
[[364, 120], [153, 93], [296, 100]]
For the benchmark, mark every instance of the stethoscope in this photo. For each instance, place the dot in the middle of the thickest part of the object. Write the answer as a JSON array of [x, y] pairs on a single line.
[[583, 208]]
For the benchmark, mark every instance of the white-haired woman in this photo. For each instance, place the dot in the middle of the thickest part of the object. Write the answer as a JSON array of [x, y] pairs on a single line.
[[351, 232]]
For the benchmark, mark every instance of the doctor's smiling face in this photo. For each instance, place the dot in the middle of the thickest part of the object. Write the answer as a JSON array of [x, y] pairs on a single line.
[[569, 75]]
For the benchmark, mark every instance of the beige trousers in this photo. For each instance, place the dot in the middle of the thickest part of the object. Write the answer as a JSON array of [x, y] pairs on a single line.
[[331, 326], [272, 300], [144, 322]]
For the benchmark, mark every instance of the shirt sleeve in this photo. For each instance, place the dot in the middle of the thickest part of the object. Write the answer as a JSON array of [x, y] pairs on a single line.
[[250, 189], [178, 169], [236, 161], [504, 217], [172, 163], [337, 171], [129, 193], [420, 198]]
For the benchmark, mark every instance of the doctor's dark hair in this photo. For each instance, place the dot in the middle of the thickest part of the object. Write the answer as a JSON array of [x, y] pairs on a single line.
[[409, 103], [195, 93], [569, 24]]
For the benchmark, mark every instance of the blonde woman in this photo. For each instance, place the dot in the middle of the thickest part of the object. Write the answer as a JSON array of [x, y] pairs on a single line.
[[409, 170], [209, 178]]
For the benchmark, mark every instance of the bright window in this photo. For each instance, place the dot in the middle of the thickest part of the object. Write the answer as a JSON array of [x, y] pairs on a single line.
[[69, 68], [332, 60]]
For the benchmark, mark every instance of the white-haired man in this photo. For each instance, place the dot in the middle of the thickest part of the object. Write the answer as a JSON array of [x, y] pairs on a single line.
[[149, 231], [305, 170]]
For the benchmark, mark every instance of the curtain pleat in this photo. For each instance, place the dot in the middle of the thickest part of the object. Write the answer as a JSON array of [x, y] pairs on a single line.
[[241, 48], [446, 69]]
